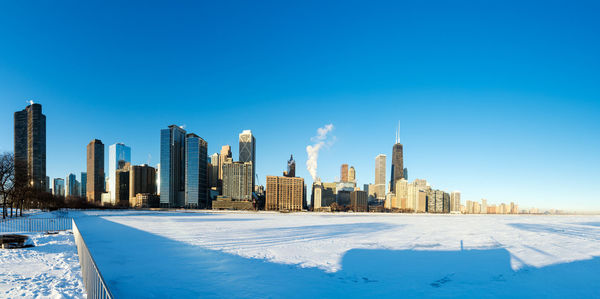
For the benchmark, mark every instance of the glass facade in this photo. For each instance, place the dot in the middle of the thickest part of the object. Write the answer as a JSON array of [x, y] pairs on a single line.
[[72, 188], [196, 172], [172, 166], [58, 187], [192, 170], [248, 150], [116, 152], [83, 184]]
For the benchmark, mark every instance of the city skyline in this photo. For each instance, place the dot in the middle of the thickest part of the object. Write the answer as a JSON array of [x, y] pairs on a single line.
[[344, 168], [498, 110]]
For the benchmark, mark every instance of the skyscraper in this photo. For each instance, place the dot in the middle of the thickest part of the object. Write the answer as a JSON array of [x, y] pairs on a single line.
[[352, 174], [158, 179], [344, 173], [248, 150], [84, 184], [455, 201], [196, 174], [72, 185], [142, 179], [316, 196], [237, 180], [122, 184], [58, 189], [225, 154], [379, 187], [116, 153], [397, 162], [30, 147], [291, 167], [214, 170], [95, 170], [172, 167]]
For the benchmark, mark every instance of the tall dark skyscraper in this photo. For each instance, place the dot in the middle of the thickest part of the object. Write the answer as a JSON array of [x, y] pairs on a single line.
[[291, 167], [30, 147], [397, 162], [248, 150], [196, 172], [95, 171], [172, 167], [84, 184]]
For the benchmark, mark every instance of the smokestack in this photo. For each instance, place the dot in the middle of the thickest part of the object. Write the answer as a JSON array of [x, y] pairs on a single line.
[[313, 150]]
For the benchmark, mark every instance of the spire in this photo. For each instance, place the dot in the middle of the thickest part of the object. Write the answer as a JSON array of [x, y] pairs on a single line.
[[398, 133]]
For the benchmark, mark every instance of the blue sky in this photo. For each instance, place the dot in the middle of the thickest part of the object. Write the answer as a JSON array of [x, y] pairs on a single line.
[[497, 100]]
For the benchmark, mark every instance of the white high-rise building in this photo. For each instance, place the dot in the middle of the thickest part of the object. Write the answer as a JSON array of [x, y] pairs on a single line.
[[455, 201], [317, 195], [117, 152], [379, 186], [401, 194], [483, 206]]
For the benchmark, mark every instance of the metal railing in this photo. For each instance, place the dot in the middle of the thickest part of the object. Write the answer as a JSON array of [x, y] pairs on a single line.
[[26, 224], [95, 285]]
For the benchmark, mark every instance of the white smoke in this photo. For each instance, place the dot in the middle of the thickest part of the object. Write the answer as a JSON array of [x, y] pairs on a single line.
[[313, 150]]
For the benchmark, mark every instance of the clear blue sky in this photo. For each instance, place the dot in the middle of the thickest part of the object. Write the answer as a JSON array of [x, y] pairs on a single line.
[[497, 100]]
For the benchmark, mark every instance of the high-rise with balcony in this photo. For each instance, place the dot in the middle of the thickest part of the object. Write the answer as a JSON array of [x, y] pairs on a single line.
[[116, 153], [95, 171], [248, 150], [30, 147], [196, 173], [172, 167], [237, 180]]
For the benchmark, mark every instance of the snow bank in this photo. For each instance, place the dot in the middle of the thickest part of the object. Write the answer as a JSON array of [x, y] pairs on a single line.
[[50, 269]]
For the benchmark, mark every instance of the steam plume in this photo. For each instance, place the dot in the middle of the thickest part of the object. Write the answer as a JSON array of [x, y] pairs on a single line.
[[313, 150]]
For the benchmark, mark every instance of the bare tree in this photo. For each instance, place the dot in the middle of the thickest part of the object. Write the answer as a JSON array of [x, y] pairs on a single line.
[[7, 179]]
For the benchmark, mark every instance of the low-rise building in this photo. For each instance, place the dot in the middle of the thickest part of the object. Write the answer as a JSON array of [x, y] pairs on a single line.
[[358, 201], [285, 194], [227, 203]]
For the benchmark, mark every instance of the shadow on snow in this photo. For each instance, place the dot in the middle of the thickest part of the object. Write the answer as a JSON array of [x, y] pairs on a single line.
[[140, 264]]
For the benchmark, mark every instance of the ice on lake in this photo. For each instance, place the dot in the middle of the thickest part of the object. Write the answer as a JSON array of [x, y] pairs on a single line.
[[197, 254]]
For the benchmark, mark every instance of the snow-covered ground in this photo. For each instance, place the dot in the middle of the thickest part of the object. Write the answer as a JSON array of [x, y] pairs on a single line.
[[176, 254], [50, 269]]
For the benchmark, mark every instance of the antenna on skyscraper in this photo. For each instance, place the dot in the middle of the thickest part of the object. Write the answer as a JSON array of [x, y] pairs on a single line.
[[398, 133]]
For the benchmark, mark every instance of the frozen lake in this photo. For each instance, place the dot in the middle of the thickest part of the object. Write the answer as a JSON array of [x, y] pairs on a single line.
[[174, 254]]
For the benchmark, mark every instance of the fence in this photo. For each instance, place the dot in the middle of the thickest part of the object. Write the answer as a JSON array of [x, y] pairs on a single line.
[[26, 224], [95, 285]]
